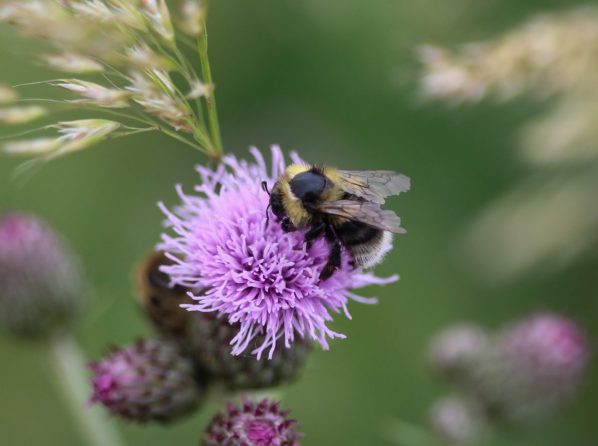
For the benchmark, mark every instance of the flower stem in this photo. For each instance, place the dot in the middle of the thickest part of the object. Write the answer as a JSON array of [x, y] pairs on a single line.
[[70, 368], [212, 111]]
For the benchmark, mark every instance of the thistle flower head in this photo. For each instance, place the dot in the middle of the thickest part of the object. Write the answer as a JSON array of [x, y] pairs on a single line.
[[254, 273], [457, 420], [40, 283], [454, 349], [532, 368], [147, 381], [252, 424], [210, 338]]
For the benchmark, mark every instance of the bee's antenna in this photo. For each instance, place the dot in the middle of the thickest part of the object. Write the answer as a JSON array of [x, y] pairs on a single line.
[[265, 187], [267, 215]]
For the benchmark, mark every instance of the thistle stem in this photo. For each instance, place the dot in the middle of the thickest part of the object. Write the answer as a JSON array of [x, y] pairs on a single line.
[[212, 111], [70, 368]]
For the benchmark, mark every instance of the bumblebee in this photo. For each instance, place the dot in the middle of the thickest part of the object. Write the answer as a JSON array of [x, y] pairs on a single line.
[[159, 301], [341, 205]]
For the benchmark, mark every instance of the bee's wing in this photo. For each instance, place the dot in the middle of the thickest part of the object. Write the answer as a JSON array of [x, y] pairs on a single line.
[[364, 212], [373, 185]]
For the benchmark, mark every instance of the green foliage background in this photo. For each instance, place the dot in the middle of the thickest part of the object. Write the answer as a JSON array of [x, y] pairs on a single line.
[[335, 80]]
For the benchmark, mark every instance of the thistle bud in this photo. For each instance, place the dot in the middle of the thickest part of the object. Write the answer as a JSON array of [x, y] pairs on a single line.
[[147, 381], [41, 288], [457, 421], [453, 350], [532, 368], [252, 424], [210, 340]]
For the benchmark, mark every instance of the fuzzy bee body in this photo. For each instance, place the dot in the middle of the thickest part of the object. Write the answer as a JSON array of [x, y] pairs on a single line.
[[366, 244], [159, 301], [342, 206]]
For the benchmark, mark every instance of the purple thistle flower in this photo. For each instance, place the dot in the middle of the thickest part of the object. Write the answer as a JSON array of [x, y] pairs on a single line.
[[252, 424], [149, 380], [255, 274], [532, 368], [41, 287]]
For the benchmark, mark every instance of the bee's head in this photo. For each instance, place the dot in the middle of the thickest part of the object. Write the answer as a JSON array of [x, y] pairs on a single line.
[[308, 186], [275, 203]]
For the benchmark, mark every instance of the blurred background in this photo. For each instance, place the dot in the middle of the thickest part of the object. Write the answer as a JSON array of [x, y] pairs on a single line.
[[337, 81]]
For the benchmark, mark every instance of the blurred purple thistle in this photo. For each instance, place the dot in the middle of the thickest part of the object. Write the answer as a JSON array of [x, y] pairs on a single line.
[[530, 369], [255, 274], [41, 287]]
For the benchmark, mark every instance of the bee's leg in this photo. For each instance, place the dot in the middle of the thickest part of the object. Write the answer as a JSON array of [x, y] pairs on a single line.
[[314, 233], [334, 258], [287, 225]]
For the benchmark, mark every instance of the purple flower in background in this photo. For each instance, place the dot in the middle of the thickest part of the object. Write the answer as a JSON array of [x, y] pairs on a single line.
[[255, 274], [252, 424], [41, 287], [457, 420], [149, 380], [532, 368], [453, 350]]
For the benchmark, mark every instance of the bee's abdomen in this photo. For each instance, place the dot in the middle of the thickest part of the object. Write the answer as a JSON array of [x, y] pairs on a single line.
[[367, 245], [355, 233]]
